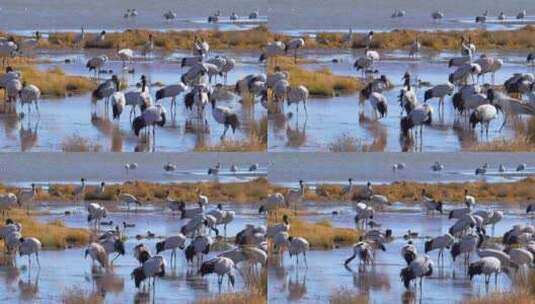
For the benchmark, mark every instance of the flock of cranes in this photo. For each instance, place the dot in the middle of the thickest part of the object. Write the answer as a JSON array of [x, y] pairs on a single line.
[[169, 15], [195, 238], [476, 101], [467, 237], [438, 15]]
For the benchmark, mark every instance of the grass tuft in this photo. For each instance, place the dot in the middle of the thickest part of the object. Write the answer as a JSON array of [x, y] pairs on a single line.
[[53, 235], [346, 296], [77, 143], [321, 82], [76, 295], [320, 235]]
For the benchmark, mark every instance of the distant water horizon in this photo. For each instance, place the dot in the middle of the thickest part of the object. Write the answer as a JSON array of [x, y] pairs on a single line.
[[287, 16]]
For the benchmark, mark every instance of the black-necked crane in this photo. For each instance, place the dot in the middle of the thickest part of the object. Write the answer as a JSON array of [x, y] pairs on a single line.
[[294, 44], [128, 199], [80, 38], [8, 201], [153, 116], [225, 116], [466, 245], [297, 95], [221, 266], [295, 196], [272, 203], [142, 253], [96, 64], [409, 252], [483, 115], [415, 48], [298, 246], [98, 254], [199, 247], [431, 204], [439, 243], [171, 91], [420, 267], [407, 95], [113, 244], [30, 246], [437, 16], [461, 74], [200, 47], [418, 117], [272, 50], [130, 166], [439, 91], [169, 15], [489, 65], [96, 213], [377, 100], [8, 49], [27, 196], [172, 243], [469, 200], [152, 268], [521, 15], [486, 266], [28, 95], [105, 90], [126, 55], [363, 250]]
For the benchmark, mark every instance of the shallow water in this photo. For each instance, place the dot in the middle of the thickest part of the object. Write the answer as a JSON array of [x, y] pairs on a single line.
[[54, 15], [304, 16], [180, 284], [326, 272], [62, 118], [331, 118]]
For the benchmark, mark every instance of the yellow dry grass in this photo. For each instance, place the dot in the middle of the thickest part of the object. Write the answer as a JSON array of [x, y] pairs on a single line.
[[234, 298], [521, 39], [252, 144], [170, 40], [515, 193], [77, 295], [320, 82], [256, 140], [53, 235], [54, 82], [524, 293], [236, 193], [524, 139], [77, 143], [320, 235], [256, 292], [257, 38], [346, 296]]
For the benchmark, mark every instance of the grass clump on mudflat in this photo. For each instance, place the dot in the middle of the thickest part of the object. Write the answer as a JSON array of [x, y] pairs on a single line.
[[255, 38], [53, 235], [524, 139], [77, 143], [256, 140], [521, 39], [236, 193], [346, 296], [320, 82], [523, 293], [320, 235], [256, 292], [515, 193], [76, 295], [54, 82]]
